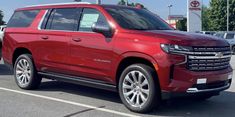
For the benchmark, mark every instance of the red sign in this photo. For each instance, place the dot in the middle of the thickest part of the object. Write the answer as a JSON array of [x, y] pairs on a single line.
[[195, 5]]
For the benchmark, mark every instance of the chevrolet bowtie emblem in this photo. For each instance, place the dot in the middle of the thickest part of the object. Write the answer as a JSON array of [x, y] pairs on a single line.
[[219, 54]]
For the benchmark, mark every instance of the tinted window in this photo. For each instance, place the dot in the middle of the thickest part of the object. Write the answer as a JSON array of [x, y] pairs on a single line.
[[22, 18], [230, 36], [221, 35], [137, 19], [63, 19], [89, 17]]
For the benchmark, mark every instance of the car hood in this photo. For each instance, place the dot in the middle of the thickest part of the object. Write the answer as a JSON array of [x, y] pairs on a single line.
[[186, 38], [231, 41]]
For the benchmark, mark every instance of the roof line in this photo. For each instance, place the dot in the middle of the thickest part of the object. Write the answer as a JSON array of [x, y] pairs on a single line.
[[67, 3]]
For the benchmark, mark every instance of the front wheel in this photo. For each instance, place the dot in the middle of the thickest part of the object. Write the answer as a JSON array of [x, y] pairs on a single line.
[[137, 88], [25, 74]]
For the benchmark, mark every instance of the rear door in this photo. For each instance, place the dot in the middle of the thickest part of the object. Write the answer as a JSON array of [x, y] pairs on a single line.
[[53, 47]]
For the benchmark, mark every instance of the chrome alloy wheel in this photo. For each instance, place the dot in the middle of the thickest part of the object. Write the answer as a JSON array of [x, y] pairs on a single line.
[[23, 72], [136, 88]]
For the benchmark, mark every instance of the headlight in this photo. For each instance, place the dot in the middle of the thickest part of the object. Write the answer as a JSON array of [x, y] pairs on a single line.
[[175, 49]]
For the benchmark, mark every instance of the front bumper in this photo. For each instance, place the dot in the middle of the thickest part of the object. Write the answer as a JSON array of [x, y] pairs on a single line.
[[179, 81], [203, 89], [223, 87]]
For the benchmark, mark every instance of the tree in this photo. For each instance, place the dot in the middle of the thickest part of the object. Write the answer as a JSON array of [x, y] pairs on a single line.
[[122, 2], [232, 15], [139, 5], [182, 25], [217, 15], [205, 18], [1, 18], [77, 0]]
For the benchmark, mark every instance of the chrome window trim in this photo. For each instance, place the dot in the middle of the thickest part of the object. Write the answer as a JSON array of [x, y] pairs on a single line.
[[43, 17], [68, 31], [40, 24]]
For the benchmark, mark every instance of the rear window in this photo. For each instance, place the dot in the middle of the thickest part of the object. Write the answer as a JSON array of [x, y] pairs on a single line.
[[22, 18]]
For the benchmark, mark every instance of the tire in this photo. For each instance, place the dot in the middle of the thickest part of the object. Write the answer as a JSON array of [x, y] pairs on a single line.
[[130, 92], [25, 74]]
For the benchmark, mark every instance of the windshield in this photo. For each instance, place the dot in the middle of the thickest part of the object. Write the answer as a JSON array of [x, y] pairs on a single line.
[[137, 19]]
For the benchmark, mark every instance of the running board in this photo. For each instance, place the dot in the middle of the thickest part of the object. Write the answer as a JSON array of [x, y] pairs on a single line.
[[80, 81]]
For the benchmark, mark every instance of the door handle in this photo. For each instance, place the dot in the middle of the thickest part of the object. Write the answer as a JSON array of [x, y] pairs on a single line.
[[77, 39], [44, 37]]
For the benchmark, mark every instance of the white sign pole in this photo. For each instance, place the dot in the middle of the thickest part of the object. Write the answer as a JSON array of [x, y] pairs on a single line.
[[194, 14]]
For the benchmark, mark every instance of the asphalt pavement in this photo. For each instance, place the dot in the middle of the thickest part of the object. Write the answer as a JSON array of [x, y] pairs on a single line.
[[58, 99]]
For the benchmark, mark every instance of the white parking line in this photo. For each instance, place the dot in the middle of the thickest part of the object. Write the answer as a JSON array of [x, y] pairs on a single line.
[[69, 102]]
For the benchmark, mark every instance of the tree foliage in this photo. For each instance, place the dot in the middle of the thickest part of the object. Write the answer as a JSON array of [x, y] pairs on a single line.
[[217, 15], [182, 25], [205, 18], [1, 18], [132, 4], [122, 2]]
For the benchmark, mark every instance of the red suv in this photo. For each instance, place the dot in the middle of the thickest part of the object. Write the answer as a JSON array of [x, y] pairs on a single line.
[[116, 48]]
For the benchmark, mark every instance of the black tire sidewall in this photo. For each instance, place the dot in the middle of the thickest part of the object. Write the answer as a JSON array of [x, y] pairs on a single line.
[[147, 71]]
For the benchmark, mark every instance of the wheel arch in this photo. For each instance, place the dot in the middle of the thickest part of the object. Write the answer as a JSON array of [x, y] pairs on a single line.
[[19, 51], [135, 58]]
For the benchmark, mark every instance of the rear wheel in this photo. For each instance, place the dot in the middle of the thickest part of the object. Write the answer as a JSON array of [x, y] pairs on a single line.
[[137, 88], [25, 73]]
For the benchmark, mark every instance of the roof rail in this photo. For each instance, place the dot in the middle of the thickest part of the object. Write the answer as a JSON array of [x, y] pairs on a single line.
[[66, 3]]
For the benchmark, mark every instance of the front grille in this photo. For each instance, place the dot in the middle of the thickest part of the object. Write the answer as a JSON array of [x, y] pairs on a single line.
[[209, 58], [211, 49]]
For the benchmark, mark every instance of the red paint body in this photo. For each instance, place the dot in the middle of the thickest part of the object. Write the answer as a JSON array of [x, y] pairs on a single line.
[[97, 58]]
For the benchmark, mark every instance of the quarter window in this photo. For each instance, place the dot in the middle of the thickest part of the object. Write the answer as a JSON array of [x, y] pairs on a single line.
[[22, 18]]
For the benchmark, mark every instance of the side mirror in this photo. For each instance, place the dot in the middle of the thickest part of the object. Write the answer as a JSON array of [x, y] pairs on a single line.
[[102, 28]]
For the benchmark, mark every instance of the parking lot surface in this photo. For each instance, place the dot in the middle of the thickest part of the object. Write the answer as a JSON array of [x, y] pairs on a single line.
[[58, 99]]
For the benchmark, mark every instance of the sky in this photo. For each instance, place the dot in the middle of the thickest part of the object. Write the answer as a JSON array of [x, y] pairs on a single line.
[[157, 6]]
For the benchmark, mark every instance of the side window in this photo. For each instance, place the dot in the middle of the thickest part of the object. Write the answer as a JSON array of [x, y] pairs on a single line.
[[63, 19], [89, 17], [22, 18], [229, 36]]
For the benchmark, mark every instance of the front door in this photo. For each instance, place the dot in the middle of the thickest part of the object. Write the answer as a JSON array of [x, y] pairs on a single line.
[[91, 53]]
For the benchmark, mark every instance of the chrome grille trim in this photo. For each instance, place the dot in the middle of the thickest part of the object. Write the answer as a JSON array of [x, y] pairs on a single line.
[[204, 53], [209, 57], [209, 60]]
